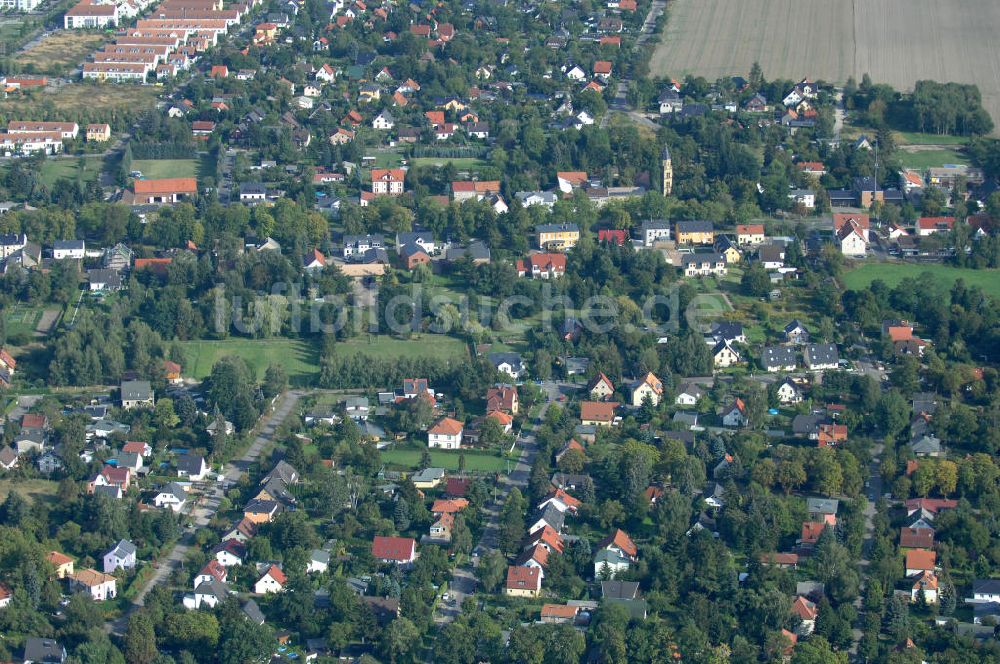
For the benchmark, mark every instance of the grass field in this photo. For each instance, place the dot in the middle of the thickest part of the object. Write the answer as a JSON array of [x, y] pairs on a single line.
[[155, 169], [895, 41], [922, 159], [915, 138], [60, 52], [893, 273], [474, 461], [299, 358], [460, 163], [101, 100], [63, 169], [433, 346], [30, 489]]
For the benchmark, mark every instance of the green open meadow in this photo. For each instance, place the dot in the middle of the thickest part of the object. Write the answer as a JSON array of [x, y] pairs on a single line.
[[31, 490], [299, 358], [893, 273], [21, 320], [931, 158], [433, 346], [475, 461], [155, 169], [459, 163]]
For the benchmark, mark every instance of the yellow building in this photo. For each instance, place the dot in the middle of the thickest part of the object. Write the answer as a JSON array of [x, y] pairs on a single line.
[[98, 133], [62, 563], [523, 582], [695, 232], [557, 236]]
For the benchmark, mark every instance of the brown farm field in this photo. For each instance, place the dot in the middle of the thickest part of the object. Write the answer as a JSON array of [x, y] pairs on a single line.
[[60, 52], [895, 41], [100, 101]]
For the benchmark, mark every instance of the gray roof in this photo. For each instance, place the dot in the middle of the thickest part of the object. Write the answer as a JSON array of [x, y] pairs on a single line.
[[698, 259], [986, 586], [253, 612], [105, 490], [794, 325], [822, 505], [926, 445], [136, 390], [356, 402], [513, 359], [123, 549], [925, 402], [554, 228], [213, 588], [190, 463], [619, 589], [822, 354], [695, 226], [104, 276], [428, 475], [320, 556], [413, 237], [727, 330], [176, 489], [68, 244], [128, 459], [655, 224], [252, 189], [771, 253], [8, 455], [806, 424], [552, 516], [43, 650], [688, 419], [283, 470], [778, 356], [476, 250]]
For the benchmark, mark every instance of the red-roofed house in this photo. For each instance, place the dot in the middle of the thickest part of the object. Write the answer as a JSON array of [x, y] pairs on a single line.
[[807, 612], [781, 560], [811, 530], [449, 506], [620, 543], [273, 581], [613, 236], [446, 434], [749, 234], [931, 225], [919, 561], [398, 550], [598, 413], [543, 266], [559, 613], [600, 387], [561, 500], [523, 582], [388, 181], [502, 398], [916, 538], [831, 434], [602, 69]]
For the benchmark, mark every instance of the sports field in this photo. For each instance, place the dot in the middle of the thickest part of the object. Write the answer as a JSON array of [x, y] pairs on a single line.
[[922, 159], [893, 273], [895, 41]]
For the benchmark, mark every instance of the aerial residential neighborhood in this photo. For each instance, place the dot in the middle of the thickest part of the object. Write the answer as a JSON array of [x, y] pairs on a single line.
[[458, 332]]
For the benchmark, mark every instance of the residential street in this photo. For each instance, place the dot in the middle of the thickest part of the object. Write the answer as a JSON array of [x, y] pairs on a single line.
[[206, 509], [463, 581], [873, 489]]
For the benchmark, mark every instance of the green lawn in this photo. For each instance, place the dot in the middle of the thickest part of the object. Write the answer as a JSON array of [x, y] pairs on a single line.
[[29, 489], [916, 138], [155, 169], [299, 358], [893, 273], [460, 163], [931, 158], [67, 169], [448, 459], [434, 346]]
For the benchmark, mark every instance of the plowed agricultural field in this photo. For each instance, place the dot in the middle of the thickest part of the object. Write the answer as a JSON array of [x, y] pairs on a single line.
[[895, 41]]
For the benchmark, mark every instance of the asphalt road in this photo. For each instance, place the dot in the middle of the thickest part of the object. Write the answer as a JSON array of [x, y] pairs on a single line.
[[204, 511]]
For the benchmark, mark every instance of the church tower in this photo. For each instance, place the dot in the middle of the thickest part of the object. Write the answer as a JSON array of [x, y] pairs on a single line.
[[668, 171]]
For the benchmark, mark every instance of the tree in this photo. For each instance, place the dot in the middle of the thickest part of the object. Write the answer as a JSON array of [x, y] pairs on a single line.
[[897, 618], [755, 281], [140, 640], [164, 414], [399, 639], [275, 381], [817, 651]]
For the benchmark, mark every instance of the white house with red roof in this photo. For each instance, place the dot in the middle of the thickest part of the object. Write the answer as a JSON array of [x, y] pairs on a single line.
[[398, 550], [273, 581]]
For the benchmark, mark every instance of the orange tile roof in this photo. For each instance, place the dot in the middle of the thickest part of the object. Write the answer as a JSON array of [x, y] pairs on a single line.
[[559, 611], [804, 609], [922, 559], [445, 506], [523, 578], [58, 559], [447, 427], [621, 540], [598, 411], [166, 186]]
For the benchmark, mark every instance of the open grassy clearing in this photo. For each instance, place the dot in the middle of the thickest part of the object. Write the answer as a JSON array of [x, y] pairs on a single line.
[[448, 459], [432, 346], [98, 100], [893, 273], [155, 169], [60, 52], [31, 490], [53, 170], [922, 159], [299, 358], [460, 163], [895, 41], [916, 138]]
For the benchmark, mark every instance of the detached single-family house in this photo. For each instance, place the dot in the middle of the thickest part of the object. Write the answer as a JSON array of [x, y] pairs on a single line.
[[735, 415], [600, 387], [508, 363], [919, 561], [136, 394], [650, 387], [172, 497], [724, 355], [688, 394], [523, 582], [192, 467], [807, 612], [273, 581], [398, 550], [121, 556], [446, 434], [98, 585], [598, 413]]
